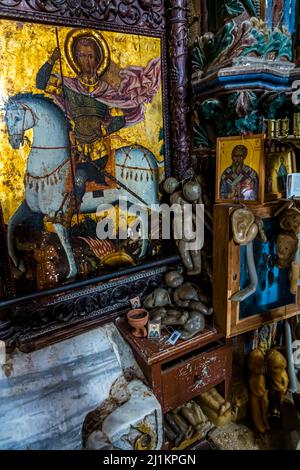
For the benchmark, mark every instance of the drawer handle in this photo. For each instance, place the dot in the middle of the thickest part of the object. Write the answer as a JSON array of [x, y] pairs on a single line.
[[198, 378]]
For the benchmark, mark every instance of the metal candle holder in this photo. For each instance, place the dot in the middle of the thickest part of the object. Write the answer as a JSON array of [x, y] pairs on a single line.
[[285, 127], [296, 125], [271, 128]]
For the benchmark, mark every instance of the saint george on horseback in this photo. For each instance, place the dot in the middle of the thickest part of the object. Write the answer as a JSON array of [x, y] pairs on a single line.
[[87, 101]]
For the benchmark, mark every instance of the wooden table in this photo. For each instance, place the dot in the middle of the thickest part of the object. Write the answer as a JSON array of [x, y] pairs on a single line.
[[179, 373]]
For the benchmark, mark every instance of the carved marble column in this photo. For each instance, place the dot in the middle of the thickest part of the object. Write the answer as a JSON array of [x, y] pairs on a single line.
[[177, 25]]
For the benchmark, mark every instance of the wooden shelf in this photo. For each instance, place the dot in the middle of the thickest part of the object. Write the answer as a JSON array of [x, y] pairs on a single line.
[[154, 351]]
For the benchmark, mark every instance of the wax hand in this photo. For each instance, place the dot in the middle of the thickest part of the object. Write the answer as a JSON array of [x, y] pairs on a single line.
[[55, 55]]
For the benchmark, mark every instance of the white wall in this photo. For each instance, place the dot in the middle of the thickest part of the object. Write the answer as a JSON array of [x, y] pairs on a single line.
[[45, 395]]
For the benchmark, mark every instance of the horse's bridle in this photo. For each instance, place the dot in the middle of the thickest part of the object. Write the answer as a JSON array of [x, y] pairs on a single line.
[[24, 108]]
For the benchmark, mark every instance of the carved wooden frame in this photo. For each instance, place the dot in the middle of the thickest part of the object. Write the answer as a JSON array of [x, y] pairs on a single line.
[[42, 318]]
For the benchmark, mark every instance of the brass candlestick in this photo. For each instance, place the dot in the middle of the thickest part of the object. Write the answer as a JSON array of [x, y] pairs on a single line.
[[277, 128], [296, 125], [285, 127], [271, 128]]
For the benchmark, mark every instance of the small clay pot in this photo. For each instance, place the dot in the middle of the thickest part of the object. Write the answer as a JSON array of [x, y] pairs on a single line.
[[138, 319]]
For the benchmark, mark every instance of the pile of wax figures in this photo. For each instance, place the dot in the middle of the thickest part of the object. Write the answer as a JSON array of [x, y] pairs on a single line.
[[271, 374], [268, 383], [189, 420], [186, 221], [287, 244], [181, 304], [246, 227], [268, 380]]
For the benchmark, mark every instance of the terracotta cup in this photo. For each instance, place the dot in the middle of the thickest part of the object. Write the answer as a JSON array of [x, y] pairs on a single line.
[[138, 319]]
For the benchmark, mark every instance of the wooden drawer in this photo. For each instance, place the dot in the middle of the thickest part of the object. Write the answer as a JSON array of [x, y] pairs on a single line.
[[183, 381]]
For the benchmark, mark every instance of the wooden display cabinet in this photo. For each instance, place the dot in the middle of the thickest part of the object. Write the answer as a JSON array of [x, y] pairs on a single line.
[[269, 303]]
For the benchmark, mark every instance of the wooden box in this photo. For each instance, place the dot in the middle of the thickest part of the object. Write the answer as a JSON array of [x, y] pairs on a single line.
[[233, 318]]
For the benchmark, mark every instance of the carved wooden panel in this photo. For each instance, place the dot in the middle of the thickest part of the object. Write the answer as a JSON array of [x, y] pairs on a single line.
[[146, 14], [177, 24], [51, 319]]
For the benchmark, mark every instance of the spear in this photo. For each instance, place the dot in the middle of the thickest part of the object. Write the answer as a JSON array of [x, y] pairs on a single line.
[[65, 109]]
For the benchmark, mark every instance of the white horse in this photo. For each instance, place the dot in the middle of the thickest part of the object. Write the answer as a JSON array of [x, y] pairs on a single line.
[[48, 170]]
